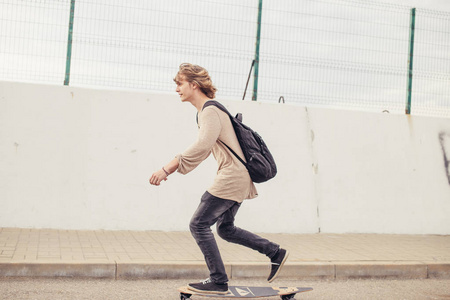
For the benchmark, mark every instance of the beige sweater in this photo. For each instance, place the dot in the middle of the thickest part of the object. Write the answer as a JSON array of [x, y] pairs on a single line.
[[232, 181]]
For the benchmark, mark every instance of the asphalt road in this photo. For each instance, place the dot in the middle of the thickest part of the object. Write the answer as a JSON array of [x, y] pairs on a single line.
[[93, 289]]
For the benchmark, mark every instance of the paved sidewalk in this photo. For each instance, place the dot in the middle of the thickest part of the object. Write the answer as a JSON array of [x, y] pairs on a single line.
[[155, 254]]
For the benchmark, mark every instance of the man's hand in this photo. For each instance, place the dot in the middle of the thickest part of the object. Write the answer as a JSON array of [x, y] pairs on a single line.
[[157, 177], [165, 171]]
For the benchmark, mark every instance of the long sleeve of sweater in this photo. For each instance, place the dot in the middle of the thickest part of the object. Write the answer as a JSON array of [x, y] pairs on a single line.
[[232, 181], [209, 130]]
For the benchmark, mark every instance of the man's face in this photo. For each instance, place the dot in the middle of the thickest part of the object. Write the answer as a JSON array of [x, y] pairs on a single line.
[[184, 89]]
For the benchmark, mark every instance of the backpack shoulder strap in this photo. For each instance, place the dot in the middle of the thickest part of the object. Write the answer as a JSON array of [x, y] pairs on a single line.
[[239, 116], [221, 107], [235, 154], [218, 105]]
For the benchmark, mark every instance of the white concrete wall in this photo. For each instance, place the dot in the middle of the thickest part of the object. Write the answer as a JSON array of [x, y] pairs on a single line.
[[75, 158]]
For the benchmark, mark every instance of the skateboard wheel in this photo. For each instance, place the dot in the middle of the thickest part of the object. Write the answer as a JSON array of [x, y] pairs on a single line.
[[184, 296], [288, 297]]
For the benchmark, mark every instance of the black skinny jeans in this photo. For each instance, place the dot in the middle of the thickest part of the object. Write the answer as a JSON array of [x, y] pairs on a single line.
[[221, 211]]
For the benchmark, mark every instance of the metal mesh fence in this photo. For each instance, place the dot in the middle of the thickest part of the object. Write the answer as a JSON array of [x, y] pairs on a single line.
[[431, 80], [33, 40], [349, 54], [344, 54], [139, 44]]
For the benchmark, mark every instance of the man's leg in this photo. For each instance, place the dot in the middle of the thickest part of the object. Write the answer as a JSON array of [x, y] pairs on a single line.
[[208, 212], [233, 234], [229, 232]]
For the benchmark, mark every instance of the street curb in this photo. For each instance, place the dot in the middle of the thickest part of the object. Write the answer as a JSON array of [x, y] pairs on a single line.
[[298, 270], [58, 269], [438, 270], [382, 270], [161, 270], [235, 270]]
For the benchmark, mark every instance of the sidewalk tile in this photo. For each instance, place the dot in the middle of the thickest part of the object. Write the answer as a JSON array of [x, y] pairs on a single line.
[[325, 256]]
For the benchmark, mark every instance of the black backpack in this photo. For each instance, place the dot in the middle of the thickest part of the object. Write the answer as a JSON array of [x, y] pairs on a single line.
[[260, 163]]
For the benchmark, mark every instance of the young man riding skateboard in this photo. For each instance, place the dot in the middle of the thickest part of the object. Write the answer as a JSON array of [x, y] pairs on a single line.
[[232, 184]]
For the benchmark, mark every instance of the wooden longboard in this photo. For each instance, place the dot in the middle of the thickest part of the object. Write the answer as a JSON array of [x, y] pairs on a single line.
[[240, 292]]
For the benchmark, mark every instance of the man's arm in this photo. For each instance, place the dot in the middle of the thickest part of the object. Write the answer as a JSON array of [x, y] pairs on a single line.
[[208, 134], [164, 172]]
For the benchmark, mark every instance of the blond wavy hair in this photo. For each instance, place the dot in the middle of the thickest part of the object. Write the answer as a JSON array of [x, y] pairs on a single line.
[[198, 76]]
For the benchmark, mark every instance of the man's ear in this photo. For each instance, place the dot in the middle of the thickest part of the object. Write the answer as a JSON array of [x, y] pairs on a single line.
[[194, 85]]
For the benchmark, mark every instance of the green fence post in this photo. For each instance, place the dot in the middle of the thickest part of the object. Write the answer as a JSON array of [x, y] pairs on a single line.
[[410, 61], [258, 38], [69, 43]]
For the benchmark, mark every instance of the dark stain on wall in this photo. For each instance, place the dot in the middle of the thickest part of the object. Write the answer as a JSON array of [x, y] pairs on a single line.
[[444, 139]]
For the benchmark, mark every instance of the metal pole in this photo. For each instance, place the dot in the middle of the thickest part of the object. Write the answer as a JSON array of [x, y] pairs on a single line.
[[258, 38], [69, 42], [248, 79], [410, 61]]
